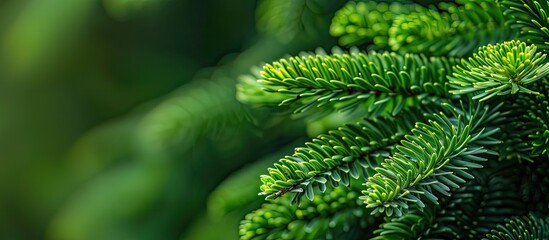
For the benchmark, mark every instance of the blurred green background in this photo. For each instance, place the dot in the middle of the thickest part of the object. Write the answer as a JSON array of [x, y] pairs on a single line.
[[76, 79], [119, 118]]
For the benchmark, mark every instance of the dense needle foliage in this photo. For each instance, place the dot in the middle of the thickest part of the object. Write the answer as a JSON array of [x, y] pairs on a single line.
[[443, 121]]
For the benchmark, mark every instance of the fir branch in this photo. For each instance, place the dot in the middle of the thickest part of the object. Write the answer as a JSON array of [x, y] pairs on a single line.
[[408, 226], [422, 168], [337, 157], [525, 227], [515, 145], [526, 135], [384, 82], [457, 32], [475, 208], [504, 68], [250, 91], [334, 215], [433, 159], [531, 18], [469, 213], [538, 116], [367, 22]]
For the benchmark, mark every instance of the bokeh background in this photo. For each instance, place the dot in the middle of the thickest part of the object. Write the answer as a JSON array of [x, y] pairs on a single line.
[[119, 118], [78, 81]]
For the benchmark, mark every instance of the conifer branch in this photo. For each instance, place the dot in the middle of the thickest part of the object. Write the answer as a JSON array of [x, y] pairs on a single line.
[[531, 18], [337, 157], [367, 22], [476, 207], [334, 215], [383, 82], [515, 145], [504, 68], [468, 213], [525, 227], [408, 226], [435, 158], [538, 115], [422, 164], [456, 32]]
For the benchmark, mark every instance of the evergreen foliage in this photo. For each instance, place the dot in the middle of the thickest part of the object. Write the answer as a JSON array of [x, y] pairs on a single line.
[[471, 211], [359, 23], [452, 30], [337, 156], [335, 215], [383, 82], [501, 69], [526, 227], [453, 136], [435, 157], [531, 19]]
